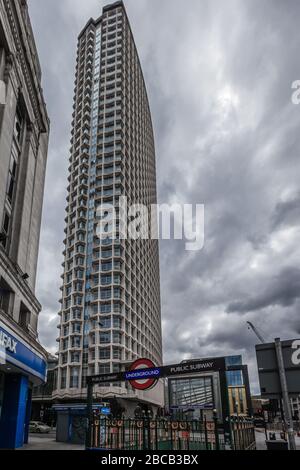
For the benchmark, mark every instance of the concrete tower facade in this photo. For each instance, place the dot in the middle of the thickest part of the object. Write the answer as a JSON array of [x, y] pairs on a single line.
[[110, 312]]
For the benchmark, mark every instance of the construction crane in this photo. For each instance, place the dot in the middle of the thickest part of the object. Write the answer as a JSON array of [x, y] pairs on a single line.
[[252, 327]]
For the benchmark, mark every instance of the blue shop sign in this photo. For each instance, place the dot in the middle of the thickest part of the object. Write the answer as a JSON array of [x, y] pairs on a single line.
[[15, 351]]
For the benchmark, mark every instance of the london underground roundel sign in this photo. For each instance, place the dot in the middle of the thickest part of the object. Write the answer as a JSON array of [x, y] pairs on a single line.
[[145, 380]]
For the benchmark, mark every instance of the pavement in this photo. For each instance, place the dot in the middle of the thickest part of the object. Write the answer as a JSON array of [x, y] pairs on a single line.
[[48, 442], [260, 438]]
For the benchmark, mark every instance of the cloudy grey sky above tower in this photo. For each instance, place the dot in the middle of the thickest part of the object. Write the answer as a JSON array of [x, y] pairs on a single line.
[[219, 77]]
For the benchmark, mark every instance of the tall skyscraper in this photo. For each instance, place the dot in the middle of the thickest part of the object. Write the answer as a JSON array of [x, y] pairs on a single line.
[[110, 312], [24, 130]]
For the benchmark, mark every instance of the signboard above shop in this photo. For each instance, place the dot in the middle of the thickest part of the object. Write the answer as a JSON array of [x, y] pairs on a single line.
[[16, 351]]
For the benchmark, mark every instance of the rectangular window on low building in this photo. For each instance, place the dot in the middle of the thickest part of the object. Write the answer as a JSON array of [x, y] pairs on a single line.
[[24, 317], [12, 177], [18, 127], [6, 297], [4, 235]]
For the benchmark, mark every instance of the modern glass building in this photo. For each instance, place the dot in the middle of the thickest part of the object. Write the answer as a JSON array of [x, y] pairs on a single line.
[[238, 387], [24, 129], [110, 312], [198, 395], [234, 377]]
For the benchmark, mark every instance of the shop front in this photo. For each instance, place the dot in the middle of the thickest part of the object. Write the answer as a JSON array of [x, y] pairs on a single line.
[[22, 365]]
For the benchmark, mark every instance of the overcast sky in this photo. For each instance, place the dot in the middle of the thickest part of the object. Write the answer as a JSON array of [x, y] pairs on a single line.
[[219, 78]]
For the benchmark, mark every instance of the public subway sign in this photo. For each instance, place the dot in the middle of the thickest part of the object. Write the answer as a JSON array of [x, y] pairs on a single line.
[[144, 378], [193, 367]]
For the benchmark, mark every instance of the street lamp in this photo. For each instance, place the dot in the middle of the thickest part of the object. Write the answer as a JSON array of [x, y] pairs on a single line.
[[237, 408]]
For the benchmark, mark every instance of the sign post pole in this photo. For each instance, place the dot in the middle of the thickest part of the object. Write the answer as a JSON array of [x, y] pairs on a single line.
[[225, 410], [288, 419], [90, 389]]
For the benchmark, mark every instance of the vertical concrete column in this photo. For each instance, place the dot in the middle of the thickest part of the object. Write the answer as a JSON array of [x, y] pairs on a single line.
[[23, 201], [12, 424], [16, 308], [27, 417], [7, 118], [68, 374], [2, 84]]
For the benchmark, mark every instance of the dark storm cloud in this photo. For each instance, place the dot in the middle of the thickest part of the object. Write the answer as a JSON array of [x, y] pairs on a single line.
[[287, 213], [283, 290], [219, 78]]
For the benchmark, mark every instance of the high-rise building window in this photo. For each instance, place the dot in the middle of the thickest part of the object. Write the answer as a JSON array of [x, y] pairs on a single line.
[[75, 357], [117, 322], [104, 369], [105, 308], [117, 338], [74, 377], [75, 342], [84, 377], [105, 323], [104, 353], [64, 358], [105, 338], [117, 353], [63, 378]]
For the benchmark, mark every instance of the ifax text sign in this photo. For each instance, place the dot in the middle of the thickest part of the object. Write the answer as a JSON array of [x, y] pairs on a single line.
[[8, 343]]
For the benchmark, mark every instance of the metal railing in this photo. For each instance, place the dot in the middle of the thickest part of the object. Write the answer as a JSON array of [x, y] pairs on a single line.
[[165, 434], [243, 433]]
